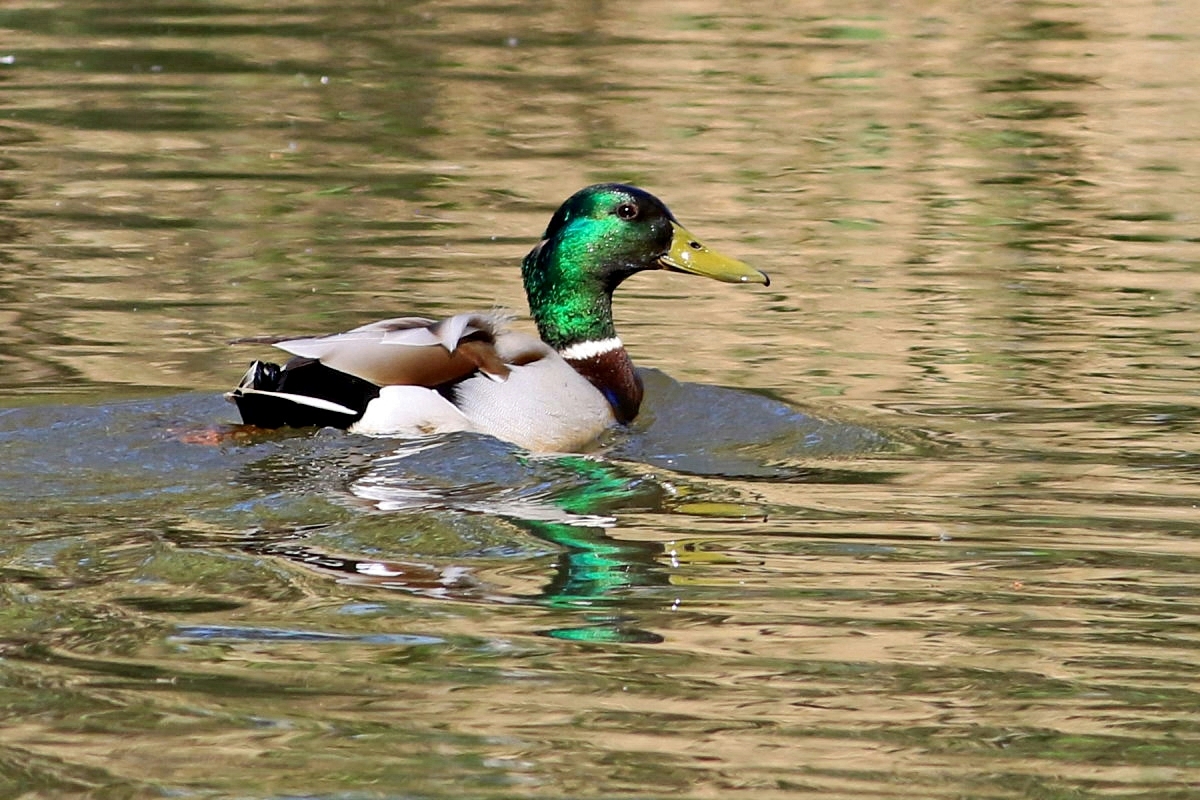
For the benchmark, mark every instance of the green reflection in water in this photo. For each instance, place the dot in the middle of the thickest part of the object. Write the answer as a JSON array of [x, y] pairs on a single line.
[[595, 567]]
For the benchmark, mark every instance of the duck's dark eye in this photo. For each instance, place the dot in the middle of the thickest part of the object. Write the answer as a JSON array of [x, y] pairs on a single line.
[[627, 211]]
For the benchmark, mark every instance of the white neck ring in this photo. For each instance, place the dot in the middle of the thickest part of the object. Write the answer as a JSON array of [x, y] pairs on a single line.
[[582, 351]]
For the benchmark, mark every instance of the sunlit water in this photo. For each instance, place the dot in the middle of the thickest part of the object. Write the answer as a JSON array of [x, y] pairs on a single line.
[[936, 537]]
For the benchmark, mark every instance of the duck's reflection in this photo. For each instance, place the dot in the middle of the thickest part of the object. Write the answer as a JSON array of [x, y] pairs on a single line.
[[569, 502], [566, 501]]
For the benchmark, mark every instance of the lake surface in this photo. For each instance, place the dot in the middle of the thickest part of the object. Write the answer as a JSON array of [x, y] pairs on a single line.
[[919, 520]]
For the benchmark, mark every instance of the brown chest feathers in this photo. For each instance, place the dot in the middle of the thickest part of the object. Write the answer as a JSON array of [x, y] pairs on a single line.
[[612, 373]]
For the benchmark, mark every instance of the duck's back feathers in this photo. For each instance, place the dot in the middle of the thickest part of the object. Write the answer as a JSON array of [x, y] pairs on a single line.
[[409, 350], [414, 376]]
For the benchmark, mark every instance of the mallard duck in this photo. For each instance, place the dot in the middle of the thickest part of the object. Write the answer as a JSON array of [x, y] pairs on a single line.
[[470, 372]]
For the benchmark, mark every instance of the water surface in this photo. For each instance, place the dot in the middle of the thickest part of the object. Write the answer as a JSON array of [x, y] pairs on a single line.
[[919, 519]]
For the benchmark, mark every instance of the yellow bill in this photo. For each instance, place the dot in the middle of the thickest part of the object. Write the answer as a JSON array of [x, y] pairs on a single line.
[[689, 254]]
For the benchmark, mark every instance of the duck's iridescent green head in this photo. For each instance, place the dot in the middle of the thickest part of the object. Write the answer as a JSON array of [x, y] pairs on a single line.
[[599, 237]]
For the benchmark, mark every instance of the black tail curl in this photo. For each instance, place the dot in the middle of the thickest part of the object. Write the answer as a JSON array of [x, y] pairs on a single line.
[[296, 395]]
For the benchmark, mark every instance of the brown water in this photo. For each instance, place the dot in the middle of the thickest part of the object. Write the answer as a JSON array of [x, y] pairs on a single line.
[[947, 548]]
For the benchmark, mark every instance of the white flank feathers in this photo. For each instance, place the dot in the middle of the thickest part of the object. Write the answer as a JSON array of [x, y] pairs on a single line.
[[410, 411]]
